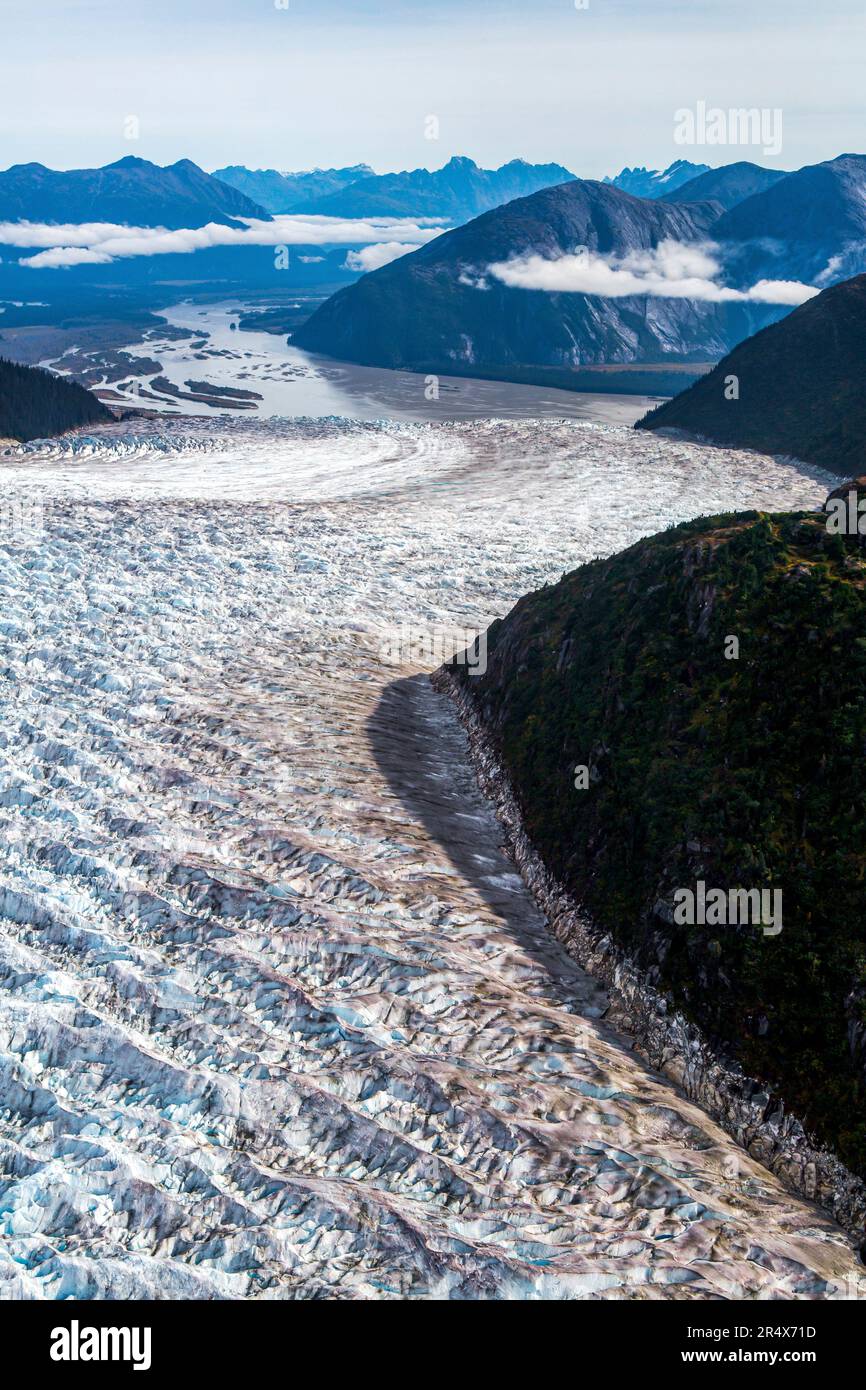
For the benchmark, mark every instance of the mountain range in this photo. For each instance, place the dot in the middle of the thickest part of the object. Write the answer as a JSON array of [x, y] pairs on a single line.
[[809, 226], [798, 387], [441, 308], [458, 191], [286, 192], [132, 191], [729, 185], [453, 305], [656, 183]]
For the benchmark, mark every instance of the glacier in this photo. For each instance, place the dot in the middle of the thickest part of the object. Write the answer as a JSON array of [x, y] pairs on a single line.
[[278, 1017]]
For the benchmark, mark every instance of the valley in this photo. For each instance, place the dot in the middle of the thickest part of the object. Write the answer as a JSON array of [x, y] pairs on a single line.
[[432, 689], [278, 1017], [220, 343]]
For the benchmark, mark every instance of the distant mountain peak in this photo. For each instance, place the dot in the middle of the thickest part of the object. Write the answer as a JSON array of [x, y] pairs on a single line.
[[652, 183], [131, 161], [456, 192], [32, 168], [809, 225], [131, 191], [285, 191], [677, 165], [426, 311], [359, 169], [729, 185]]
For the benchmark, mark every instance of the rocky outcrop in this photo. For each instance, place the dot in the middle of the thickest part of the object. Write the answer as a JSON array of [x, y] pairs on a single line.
[[753, 1115], [680, 720]]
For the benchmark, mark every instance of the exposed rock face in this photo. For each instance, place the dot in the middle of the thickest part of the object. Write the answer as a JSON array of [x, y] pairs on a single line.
[[676, 1046], [437, 308], [855, 485]]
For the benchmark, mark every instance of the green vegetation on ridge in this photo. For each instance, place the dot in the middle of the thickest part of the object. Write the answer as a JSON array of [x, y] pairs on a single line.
[[35, 405], [798, 387], [744, 773]]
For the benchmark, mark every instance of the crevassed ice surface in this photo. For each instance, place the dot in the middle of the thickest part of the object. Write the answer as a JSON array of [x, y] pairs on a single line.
[[277, 1017]]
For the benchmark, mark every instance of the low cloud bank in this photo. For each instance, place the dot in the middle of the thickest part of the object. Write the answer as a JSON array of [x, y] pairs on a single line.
[[381, 253], [98, 243], [60, 257], [670, 270]]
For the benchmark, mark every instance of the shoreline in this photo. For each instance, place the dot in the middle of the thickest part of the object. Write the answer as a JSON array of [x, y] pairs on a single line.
[[669, 1042]]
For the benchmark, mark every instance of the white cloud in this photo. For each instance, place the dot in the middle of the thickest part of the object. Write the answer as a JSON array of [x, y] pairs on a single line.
[[670, 270], [110, 242], [475, 282], [781, 292], [63, 256], [379, 254]]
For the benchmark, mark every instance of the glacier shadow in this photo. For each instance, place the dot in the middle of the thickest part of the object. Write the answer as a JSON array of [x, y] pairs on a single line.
[[421, 750]]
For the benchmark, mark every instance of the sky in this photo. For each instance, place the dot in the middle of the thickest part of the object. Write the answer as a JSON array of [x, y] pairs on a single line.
[[294, 84]]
